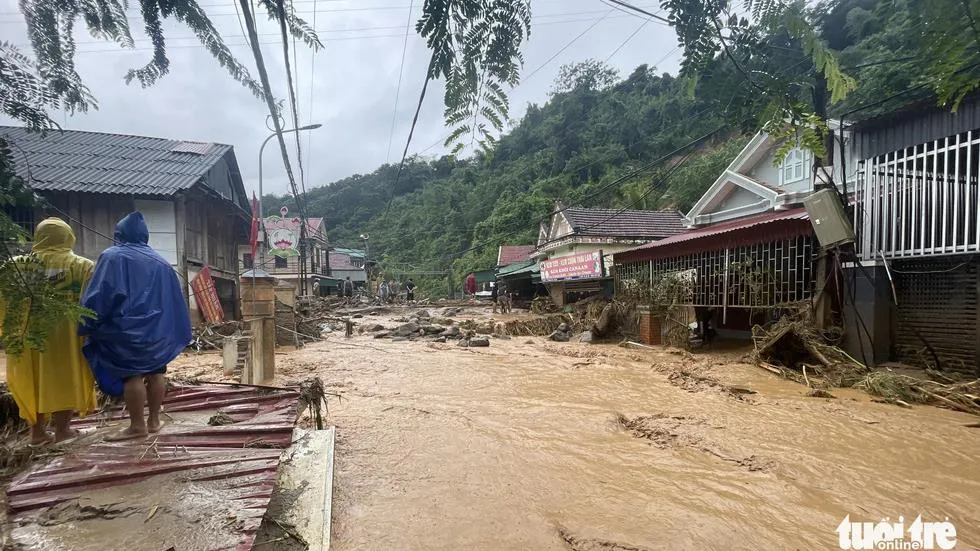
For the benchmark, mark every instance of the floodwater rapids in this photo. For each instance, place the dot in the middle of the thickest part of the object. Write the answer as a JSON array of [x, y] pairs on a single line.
[[536, 445]]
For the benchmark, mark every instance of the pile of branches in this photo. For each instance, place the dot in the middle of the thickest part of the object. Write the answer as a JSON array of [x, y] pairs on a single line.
[[904, 390], [543, 305], [795, 348], [540, 326]]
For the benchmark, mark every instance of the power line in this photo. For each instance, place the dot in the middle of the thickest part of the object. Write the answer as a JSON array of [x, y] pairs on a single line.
[[628, 38], [398, 87], [639, 10], [319, 32], [566, 46], [309, 135]]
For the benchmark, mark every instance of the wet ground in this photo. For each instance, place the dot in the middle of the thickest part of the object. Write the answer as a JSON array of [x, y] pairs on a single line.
[[529, 444]]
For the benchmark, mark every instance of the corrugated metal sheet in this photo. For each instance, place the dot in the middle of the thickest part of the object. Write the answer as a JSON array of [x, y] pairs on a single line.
[[92, 162], [629, 223], [776, 225], [239, 460], [909, 127], [938, 299]]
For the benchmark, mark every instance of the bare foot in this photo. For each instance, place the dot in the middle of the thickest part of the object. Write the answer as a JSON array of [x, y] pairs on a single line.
[[47, 438], [68, 435], [126, 434], [154, 428]]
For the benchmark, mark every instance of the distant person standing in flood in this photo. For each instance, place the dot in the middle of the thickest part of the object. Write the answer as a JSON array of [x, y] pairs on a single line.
[[494, 295], [383, 290], [410, 290], [141, 324], [348, 288], [56, 381]]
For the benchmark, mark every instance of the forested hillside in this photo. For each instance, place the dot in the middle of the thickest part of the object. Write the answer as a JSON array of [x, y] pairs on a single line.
[[595, 129], [595, 140]]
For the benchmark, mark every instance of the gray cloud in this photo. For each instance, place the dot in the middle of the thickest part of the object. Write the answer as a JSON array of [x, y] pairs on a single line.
[[352, 82]]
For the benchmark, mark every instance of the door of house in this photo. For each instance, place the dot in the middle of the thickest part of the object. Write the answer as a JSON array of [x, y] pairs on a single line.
[[938, 303]]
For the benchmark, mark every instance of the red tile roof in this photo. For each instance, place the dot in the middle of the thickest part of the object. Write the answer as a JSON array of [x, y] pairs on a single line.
[[628, 223], [773, 225], [509, 254], [230, 469]]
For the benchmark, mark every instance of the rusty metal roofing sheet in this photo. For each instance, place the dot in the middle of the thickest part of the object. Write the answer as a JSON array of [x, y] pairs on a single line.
[[721, 235], [226, 471], [509, 254], [93, 162]]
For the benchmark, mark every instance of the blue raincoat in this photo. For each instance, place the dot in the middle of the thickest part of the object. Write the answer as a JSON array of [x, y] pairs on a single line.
[[141, 322]]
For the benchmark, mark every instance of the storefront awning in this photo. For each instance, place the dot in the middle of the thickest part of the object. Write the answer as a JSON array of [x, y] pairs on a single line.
[[526, 269], [770, 226]]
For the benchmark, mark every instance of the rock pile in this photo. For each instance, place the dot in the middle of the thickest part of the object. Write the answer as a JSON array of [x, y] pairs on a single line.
[[562, 334]]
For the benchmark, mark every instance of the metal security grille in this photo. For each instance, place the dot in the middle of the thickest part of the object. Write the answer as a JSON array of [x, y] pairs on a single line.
[[765, 275], [921, 200], [938, 303]]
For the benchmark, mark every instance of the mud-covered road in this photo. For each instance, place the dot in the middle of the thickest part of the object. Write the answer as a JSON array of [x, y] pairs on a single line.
[[529, 444]]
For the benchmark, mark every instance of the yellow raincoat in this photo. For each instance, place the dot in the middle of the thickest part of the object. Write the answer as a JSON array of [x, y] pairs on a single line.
[[59, 378]]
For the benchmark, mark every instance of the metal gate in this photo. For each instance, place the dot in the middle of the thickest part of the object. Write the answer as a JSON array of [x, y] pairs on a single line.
[[938, 304]]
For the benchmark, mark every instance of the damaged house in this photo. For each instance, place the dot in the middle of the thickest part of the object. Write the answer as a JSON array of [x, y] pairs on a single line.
[[190, 193], [749, 248], [575, 247], [917, 217]]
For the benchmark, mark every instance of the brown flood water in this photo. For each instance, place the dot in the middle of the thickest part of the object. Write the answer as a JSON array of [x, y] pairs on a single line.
[[536, 445]]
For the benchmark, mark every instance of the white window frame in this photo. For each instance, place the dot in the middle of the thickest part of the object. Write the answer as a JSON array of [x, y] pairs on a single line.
[[798, 164]]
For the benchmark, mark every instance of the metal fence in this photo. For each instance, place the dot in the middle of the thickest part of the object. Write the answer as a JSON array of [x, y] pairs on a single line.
[[921, 200], [761, 275]]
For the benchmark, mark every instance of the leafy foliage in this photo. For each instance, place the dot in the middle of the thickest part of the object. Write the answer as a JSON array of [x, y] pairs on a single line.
[[476, 47], [32, 306]]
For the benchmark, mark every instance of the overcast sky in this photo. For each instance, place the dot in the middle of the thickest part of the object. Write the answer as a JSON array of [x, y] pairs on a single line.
[[350, 87]]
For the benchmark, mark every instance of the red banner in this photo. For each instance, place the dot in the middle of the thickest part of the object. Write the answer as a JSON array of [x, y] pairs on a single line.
[[253, 238], [574, 266], [206, 296]]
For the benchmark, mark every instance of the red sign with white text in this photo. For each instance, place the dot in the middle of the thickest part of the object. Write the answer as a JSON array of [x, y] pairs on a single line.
[[573, 266]]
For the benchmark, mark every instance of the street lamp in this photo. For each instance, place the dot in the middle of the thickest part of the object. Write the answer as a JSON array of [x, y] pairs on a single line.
[[367, 259], [261, 151]]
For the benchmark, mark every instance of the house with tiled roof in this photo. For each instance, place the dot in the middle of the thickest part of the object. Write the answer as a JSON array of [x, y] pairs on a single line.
[[575, 247], [748, 247], [191, 194], [281, 256]]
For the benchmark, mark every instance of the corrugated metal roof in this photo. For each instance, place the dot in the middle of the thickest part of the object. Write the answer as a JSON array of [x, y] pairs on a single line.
[[795, 220], [628, 223], [509, 254], [528, 266], [93, 162], [227, 471]]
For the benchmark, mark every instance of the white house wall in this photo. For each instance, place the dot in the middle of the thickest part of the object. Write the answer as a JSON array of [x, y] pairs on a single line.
[[162, 222], [740, 197], [764, 171]]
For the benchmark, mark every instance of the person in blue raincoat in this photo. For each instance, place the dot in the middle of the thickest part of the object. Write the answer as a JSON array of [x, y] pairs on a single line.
[[141, 324]]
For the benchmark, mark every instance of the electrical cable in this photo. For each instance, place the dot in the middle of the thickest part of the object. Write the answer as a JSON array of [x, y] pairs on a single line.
[[398, 87]]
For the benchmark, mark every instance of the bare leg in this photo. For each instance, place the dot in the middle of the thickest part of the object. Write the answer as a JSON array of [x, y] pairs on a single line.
[[38, 434], [134, 392], [156, 388], [62, 426]]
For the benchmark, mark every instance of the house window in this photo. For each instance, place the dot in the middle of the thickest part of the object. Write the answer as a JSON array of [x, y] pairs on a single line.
[[280, 262], [247, 261], [796, 167]]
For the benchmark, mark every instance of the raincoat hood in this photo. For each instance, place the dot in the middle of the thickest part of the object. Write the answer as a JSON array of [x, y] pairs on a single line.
[[53, 234], [132, 229]]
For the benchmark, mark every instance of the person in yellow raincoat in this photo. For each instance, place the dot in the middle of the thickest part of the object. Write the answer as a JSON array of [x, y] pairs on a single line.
[[58, 381]]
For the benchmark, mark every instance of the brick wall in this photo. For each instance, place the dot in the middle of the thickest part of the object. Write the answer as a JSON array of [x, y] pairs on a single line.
[[650, 328]]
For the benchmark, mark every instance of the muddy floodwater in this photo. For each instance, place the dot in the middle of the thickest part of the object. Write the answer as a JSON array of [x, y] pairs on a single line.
[[536, 445]]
